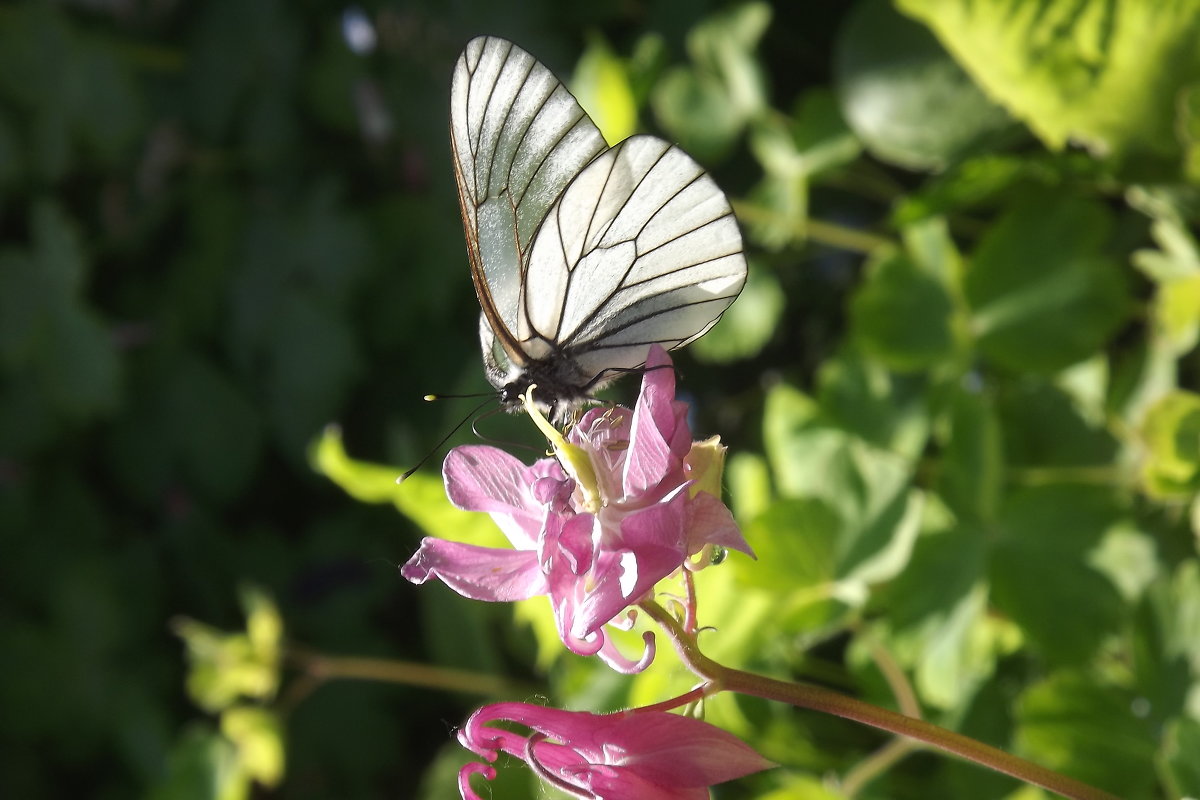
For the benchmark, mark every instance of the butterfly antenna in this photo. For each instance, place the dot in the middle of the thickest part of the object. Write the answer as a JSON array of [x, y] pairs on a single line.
[[493, 440], [488, 397], [485, 415], [431, 398]]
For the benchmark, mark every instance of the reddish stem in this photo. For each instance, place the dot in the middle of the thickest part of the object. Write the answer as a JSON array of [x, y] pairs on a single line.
[[721, 678]]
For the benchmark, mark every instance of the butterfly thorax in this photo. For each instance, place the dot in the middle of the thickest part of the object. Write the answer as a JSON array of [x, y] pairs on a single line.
[[560, 387]]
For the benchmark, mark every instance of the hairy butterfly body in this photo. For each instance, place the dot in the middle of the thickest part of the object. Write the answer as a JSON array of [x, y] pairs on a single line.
[[582, 256]]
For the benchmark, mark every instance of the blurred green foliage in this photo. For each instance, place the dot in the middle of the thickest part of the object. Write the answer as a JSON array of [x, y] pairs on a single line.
[[960, 389]]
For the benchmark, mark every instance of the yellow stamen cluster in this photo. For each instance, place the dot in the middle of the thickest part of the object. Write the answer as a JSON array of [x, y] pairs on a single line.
[[574, 459]]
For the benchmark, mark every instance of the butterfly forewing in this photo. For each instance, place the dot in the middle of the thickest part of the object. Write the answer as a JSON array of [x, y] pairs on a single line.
[[518, 138]]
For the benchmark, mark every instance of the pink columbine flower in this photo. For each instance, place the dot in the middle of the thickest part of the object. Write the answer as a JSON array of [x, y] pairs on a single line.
[[628, 501], [641, 753]]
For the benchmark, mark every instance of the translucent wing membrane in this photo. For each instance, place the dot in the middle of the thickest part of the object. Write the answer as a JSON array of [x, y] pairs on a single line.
[[518, 138], [582, 256], [642, 247]]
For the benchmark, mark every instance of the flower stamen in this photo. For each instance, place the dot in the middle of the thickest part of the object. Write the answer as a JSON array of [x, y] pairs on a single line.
[[574, 459]]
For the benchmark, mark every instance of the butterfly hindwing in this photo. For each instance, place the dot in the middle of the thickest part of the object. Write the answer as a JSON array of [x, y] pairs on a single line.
[[641, 248]]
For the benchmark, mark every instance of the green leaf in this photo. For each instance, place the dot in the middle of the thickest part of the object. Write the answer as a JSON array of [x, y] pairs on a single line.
[[212, 429], [908, 312], [902, 315], [1178, 312], [225, 667], [78, 366], [965, 185], [802, 787], [861, 396], [1041, 564], [748, 324], [971, 475], [694, 110], [313, 359], [264, 625], [1188, 129], [1143, 376], [22, 311], [48, 327], [867, 488], [749, 484], [988, 181], [1043, 290], [1088, 731], [1175, 267], [936, 612], [1181, 756], [904, 97], [11, 161], [1165, 643], [1106, 74], [74, 89], [1182, 607], [1172, 434], [724, 44], [793, 150], [202, 764], [257, 734], [796, 542], [1044, 427], [706, 106]]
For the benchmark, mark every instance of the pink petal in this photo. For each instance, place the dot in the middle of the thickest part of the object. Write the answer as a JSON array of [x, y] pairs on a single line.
[[651, 458], [482, 478], [629, 754], [480, 573], [650, 547], [673, 750], [619, 662], [711, 522]]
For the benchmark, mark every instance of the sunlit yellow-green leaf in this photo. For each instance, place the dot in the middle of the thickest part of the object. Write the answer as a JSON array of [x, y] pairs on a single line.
[[802, 787], [1172, 433], [601, 84], [264, 626], [258, 736], [225, 667], [1104, 73], [420, 497]]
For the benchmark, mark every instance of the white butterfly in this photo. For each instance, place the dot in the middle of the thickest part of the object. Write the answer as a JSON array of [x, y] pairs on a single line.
[[582, 255]]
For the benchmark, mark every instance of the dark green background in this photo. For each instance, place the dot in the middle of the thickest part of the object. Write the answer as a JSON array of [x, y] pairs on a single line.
[[205, 261], [222, 230]]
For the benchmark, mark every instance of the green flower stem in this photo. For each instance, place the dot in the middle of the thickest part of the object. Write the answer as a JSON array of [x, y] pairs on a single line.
[[817, 698], [1043, 476], [897, 681], [323, 668], [827, 233], [876, 764]]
